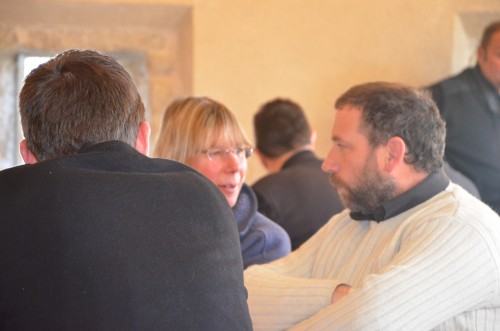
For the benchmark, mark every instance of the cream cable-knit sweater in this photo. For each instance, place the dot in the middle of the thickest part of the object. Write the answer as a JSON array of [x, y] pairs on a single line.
[[433, 267]]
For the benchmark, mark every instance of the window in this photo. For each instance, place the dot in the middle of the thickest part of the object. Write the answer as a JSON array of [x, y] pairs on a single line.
[[31, 62], [13, 70]]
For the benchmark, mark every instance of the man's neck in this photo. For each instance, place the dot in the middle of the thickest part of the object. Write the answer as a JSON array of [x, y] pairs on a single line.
[[274, 165]]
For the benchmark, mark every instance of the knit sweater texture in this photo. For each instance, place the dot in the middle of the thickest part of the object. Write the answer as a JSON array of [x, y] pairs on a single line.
[[435, 266]]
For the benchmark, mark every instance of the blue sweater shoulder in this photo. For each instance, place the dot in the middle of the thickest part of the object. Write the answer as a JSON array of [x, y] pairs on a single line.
[[261, 239]]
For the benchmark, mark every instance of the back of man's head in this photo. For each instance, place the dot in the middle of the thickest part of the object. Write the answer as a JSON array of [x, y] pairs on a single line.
[[280, 126], [78, 96]]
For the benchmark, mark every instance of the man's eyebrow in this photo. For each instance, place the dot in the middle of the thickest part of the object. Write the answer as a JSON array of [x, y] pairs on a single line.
[[339, 140], [336, 138]]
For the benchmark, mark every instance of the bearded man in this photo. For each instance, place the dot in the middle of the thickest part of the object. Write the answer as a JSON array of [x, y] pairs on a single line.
[[411, 251]]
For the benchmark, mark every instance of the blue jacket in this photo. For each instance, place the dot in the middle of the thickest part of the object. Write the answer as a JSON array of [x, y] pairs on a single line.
[[261, 239]]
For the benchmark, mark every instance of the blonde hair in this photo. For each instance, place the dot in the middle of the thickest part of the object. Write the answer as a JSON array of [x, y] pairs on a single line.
[[193, 124]]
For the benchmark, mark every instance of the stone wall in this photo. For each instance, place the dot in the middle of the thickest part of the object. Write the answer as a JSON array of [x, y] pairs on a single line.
[[154, 57], [9, 127]]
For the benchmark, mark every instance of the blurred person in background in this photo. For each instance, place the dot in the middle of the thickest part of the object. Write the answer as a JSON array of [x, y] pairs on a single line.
[[470, 105], [296, 193]]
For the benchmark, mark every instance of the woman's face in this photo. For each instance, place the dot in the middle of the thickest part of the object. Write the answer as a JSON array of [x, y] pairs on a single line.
[[225, 165]]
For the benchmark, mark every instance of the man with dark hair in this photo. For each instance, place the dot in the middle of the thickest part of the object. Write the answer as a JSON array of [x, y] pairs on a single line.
[[94, 235], [296, 194], [412, 251], [470, 105]]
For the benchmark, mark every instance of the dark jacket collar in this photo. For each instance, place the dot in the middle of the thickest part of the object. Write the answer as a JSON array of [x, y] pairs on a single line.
[[435, 183], [299, 157], [106, 146]]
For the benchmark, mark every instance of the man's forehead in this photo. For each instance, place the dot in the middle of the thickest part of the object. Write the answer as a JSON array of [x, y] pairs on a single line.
[[347, 120], [347, 117]]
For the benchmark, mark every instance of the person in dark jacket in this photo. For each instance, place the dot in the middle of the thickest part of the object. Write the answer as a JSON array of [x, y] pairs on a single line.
[[205, 135], [296, 193], [94, 235], [470, 104]]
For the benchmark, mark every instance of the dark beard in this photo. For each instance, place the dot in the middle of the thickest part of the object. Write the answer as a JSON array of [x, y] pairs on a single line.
[[372, 191]]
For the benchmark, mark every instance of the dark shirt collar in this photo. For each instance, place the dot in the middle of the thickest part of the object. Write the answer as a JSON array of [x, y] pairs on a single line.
[[299, 157], [435, 183], [489, 91]]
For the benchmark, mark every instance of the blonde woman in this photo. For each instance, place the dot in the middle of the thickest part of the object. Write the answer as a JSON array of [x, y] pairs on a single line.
[[205, 135]]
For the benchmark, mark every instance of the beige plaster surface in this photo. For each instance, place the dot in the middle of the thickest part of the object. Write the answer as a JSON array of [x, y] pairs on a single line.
[[245, 52], [248, 51]]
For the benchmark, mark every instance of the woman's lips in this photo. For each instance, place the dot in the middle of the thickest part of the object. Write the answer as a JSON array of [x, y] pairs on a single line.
[[229, 188]]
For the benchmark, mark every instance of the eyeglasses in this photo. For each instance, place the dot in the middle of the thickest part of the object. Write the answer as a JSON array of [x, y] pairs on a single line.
[[218, 153]]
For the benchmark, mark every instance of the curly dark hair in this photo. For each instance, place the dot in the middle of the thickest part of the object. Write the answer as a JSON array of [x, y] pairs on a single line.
[[390, 109]]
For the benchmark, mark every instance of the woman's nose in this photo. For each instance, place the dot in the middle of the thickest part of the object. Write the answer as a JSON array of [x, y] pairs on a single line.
[[233, 161]]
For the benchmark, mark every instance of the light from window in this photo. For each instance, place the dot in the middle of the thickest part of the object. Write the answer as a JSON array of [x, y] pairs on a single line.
[[31, 62]]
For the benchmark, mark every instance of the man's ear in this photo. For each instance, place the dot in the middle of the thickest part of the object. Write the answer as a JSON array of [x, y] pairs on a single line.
[[396, 150], [481, 53], [142, 141], [312, 138], [26, 154]]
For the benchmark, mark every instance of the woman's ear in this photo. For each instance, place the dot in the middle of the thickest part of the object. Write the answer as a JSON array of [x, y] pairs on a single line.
[[396, 150], [142, 141], [26, 154]]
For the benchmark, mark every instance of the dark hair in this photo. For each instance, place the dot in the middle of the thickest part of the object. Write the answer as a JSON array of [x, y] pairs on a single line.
[[488, 32], [280, 126], [390, 109], [76, 97]]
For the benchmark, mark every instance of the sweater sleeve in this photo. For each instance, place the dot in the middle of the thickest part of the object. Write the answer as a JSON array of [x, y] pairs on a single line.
[[443, 270], [282, 293]]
